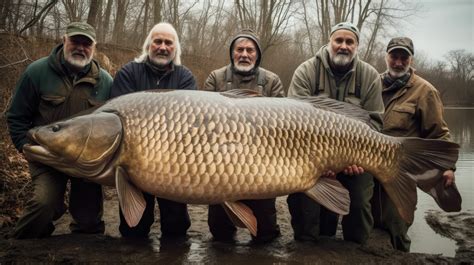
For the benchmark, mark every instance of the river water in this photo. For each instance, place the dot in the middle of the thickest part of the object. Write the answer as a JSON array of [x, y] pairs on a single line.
[[424, 239]]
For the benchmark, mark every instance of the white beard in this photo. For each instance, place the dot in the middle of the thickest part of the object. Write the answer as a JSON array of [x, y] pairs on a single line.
[[395, 73], [340, 60], [79, 63], [242, 68]]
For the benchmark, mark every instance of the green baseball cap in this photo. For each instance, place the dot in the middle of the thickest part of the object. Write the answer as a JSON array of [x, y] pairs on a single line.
[[403, 43], [80, 28]]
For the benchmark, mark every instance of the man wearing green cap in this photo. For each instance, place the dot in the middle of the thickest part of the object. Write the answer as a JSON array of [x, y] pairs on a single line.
[[337, 72], [413, 108], [244, 72], [55, 87]]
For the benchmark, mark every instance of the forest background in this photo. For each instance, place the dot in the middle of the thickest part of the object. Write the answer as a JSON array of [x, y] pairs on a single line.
[[290, 32]]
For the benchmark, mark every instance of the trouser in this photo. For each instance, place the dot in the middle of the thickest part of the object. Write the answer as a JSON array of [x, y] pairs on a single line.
[[47, 204], [386, 217], [222, 228], [174, 219], [310, 220]]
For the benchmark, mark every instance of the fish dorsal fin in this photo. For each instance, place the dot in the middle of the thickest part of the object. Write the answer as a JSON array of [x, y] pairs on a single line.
[[343, 108], [131, 199], [241, 93], [241, 215], [331, 194]]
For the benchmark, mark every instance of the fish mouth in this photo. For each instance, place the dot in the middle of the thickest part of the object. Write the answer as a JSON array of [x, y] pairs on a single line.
[[97, 172]]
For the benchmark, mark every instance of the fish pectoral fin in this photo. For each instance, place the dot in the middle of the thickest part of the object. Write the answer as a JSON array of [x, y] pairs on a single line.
[[331, 194], [131, 199], [241, 215]]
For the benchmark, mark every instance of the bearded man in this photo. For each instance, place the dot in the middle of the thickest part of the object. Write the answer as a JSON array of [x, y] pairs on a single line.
[[413, 109], [337, 72], [53, 88], [244, 72], [158, 67]]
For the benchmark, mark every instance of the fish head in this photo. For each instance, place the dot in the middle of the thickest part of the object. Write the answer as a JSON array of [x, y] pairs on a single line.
[[83, 146]]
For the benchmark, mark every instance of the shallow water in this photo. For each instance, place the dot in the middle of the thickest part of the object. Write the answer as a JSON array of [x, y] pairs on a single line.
[[424, 239]]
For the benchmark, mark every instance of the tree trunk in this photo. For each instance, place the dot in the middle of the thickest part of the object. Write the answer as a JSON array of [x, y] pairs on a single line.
[[105, 28], [93, 11], [120, 17], [157, 6]]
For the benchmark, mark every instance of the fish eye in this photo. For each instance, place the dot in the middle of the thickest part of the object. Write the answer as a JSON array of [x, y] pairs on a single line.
[[55, 128]]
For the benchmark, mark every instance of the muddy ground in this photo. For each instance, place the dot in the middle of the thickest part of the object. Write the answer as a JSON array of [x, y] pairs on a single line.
[[199, 247]]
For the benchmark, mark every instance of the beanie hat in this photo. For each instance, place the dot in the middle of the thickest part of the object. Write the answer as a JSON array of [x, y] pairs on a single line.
[[347, 26], [249, 34]]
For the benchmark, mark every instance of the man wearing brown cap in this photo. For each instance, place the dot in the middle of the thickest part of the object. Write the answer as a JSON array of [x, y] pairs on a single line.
[[244, 72], [413, 108], [52, 88], [337, 72]]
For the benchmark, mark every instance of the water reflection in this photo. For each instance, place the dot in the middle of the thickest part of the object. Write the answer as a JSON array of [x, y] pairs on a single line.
[[424, 239]]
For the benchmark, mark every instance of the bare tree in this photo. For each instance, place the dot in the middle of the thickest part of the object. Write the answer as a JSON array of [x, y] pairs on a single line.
[[269, 18], [157, 7], [120, 17], [93, 12], [462, 64], [36, 17], [104, 26]]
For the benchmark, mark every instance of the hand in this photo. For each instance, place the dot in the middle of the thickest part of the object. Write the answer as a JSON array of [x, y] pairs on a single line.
[[448, 176], [329, 174], [353, 170]]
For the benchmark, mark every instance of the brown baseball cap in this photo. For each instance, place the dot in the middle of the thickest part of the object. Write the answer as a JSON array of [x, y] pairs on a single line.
[[403, 43], [80, 28]]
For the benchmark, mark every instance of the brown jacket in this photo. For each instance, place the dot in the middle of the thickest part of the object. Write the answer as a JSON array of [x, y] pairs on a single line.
[[218, 81], [415, 110]]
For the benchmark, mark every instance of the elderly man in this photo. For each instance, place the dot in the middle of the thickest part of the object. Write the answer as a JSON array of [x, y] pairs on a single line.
[[52, 88], [413, 109], [158, 67], [244, 72], [337, 72]]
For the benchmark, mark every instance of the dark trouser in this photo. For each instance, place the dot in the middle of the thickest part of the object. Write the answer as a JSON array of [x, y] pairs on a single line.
[[47, 204], [174, 219], [310, 220], [222, 228], [386, 217]]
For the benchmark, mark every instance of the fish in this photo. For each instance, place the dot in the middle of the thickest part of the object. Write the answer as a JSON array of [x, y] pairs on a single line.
[[201, 147]]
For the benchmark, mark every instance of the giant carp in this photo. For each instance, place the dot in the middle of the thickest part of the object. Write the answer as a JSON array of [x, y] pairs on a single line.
[[205, 148]]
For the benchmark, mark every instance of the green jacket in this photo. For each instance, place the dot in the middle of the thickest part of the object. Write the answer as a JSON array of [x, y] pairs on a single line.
[[304, 83], [46, 93], [264, 81], [415, 110]]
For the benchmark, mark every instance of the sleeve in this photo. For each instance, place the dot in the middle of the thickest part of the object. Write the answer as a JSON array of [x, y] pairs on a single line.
[[433, 125], [21, 113], [187, 82], [373, 102], [277, 88], [300, 84], [124, 82], [210, 84]]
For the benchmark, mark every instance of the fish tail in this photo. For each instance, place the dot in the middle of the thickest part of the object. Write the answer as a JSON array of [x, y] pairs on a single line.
[[422, 163]]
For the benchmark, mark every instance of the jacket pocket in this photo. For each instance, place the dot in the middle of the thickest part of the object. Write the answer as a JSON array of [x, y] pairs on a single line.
[[48, 107], [400, 117]]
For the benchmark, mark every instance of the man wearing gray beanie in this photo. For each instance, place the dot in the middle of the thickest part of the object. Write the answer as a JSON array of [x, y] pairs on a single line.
[[244, 72], [337, 72]]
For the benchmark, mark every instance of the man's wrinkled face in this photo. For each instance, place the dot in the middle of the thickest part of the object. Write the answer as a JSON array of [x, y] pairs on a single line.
[[78, 50], [398, 62], [342, 47], [244, 55], [162, 48]]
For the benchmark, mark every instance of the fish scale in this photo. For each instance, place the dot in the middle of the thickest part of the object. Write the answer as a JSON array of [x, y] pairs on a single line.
[[256, 148]]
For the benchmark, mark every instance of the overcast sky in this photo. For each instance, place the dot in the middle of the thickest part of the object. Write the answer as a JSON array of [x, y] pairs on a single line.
[[441, 26]]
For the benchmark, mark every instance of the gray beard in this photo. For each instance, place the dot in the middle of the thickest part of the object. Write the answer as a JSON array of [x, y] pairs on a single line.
[[242, 68], [340, 60]]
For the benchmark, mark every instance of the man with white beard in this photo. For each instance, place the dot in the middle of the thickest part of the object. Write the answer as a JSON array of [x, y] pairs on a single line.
[[52, 88], [244, 72], [158, 67], [337, 72], [413, 108]]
